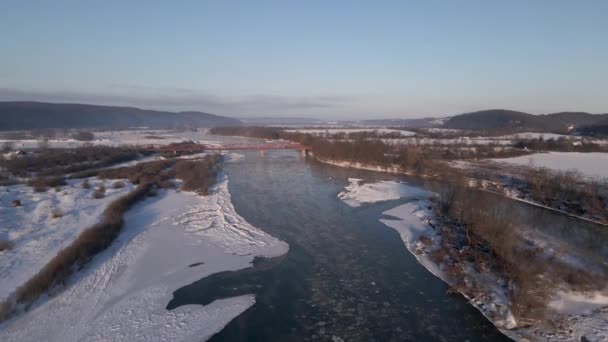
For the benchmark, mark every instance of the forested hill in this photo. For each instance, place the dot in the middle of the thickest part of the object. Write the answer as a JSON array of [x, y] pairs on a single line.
[[29, 115], [508, 119]]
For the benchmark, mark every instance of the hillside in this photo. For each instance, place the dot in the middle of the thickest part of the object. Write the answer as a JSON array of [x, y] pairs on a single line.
[[29, 115], [508, 119]]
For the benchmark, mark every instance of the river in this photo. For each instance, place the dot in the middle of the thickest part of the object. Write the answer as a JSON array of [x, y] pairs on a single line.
[[346, 275]]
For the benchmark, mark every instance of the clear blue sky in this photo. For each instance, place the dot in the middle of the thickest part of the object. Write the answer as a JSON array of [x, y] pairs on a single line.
[[332, 59]]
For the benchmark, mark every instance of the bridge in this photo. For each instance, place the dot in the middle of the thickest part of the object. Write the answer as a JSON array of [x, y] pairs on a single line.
[[194, 147]]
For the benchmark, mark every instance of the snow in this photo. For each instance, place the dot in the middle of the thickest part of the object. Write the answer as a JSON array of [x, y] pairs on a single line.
[[441, 121], [409, 223], [122, 294], [232, 157], [36, 235], [576, 303], [536, 135], [359, 192], [442, 130], [592, 164], [351, 130]]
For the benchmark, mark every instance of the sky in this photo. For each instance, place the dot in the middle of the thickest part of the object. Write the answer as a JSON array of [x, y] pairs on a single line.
[[320, 59]]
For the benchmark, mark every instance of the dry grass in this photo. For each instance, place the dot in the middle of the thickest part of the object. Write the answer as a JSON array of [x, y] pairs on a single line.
[[52, 162], [149, 172], [197, 175], [42, 183], [85, 184]]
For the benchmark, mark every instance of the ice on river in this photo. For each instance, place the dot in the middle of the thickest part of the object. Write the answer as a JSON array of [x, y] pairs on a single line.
[[123, 293], [359, 192]]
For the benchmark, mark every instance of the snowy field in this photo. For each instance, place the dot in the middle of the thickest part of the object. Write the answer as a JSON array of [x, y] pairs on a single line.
[[321, 131], [536, 135], [593, 165], [123, 293], [38, 236]]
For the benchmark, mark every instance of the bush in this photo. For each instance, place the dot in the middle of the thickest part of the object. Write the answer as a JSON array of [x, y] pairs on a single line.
[[56, 213], [6, 245], [197, 175], [7, 146], [101, 188], [118, 185], [153, 171], [86, 184], [42, 183], [98, 194], [83, 136]]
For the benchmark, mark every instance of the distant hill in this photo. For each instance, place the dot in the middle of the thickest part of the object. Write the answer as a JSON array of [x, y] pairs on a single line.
[[409, 123], [509, 119], [31, 115]]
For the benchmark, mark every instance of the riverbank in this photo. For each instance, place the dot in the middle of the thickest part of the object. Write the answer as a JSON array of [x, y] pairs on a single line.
[[485, 185], [122, 294], [433, 242]]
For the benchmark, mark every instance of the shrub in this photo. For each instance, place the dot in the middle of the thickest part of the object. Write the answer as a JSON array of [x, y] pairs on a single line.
[[56, 213], [6, 245], [197, 175], [98, 194], [118, 185], [42, 183], [101, 188], [83, 136], [153, 171], [7, 146], [86, 184]]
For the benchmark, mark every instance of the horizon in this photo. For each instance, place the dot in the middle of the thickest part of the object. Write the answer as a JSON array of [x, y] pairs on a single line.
[[292, 117], [332, 61]]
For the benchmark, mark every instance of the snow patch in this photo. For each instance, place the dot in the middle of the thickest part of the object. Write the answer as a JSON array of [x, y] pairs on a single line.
[[351, 130], [590, 164], [360, 192], [576, 303]]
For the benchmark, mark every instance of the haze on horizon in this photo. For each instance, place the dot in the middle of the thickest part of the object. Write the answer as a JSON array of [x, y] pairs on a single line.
[[337, 60]]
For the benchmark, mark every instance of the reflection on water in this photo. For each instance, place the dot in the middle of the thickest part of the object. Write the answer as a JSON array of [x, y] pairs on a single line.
[[346, 275]]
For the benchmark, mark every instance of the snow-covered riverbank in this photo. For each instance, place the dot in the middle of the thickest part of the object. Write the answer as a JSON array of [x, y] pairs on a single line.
[[411, 220], [122, 294], [579, 314], [45, 223]]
